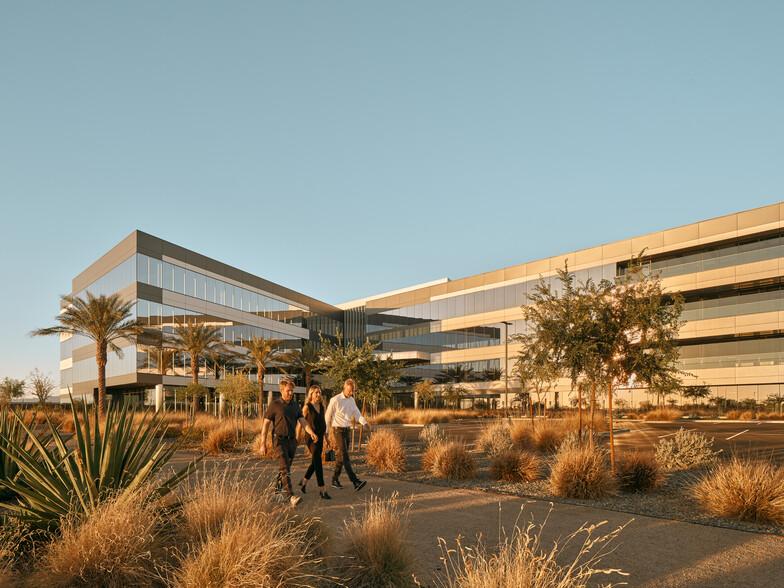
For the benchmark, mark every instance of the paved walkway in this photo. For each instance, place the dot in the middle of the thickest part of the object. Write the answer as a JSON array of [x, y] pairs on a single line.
[[656, 553]]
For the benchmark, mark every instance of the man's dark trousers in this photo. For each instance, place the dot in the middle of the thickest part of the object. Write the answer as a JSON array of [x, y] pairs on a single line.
[[341, 459], [285, 448]]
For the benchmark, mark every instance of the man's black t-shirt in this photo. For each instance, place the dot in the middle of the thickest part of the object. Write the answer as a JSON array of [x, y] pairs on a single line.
[[284, 417]]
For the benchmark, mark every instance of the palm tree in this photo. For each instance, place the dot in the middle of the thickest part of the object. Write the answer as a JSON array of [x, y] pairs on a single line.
[[264, 352], [305, 361], [197, 340], [455, 373], [104, 319]]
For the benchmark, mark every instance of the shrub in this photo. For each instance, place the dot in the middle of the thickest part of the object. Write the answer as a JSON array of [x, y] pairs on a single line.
[[220, 439], [581, 473], [376, 550], [450, 461], [514, 466], [385, 451], [663, 414], [747, 415], [431, 435], [638, 472], [547, 436], [495, 438], [687, 449], [733, 415], [523, 560], [427, 417], [116, 544], [573, 440], [744, 490]]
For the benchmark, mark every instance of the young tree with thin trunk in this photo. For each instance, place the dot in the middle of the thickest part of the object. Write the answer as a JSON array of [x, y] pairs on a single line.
[[41, 385], [106, 320], [10, 388]]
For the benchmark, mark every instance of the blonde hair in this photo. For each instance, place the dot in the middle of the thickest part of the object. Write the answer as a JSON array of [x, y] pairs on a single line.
[[286, 383], [312, 392]]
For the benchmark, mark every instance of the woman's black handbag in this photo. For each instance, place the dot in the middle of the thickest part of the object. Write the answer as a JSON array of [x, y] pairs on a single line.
[[329, 455]]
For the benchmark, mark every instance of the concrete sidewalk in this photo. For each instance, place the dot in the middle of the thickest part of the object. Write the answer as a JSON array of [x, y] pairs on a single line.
[[656, 553]]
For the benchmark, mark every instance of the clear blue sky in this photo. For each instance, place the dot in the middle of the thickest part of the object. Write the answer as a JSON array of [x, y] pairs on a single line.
[[349, 148]]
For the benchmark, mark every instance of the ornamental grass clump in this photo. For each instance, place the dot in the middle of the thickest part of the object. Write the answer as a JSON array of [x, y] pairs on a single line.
[[236, 536], [663, 414], [385, 451], [525, 560], [119, 543], [686, 450], [257, 441], [582, 472], [431, 435], [376, 550], [450, 461], [520, 434], [638, 472], [495, 438], [547, 436], [515, 466], [745, 490], [221, 439]]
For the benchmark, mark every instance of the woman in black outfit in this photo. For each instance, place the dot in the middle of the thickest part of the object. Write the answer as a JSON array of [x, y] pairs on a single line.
[[314, 414]]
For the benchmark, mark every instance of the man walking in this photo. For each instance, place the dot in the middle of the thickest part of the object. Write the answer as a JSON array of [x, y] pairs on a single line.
[[339, 412], [283, 415]]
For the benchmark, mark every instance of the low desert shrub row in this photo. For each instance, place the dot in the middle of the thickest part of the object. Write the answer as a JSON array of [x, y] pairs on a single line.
[[663, 414]]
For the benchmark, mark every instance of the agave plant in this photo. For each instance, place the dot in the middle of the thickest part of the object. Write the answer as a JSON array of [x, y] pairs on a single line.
[[54, 480], [11, 429]]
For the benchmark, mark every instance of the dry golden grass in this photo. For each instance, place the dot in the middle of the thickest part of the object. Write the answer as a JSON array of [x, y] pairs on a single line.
[[547, 435], [495, 438], [385, 451], [638, 472], [733, 415], [524, 560], [236, 536], [663, 414], [376, 552], [11, 540], [117, 545], [769, 416], [745, 490], [389, 417], [520, 434], [429, 416], [450, 461], [747, 415], [256, 448], [221, 439], [515, 466], [571, 421], [581, 472]]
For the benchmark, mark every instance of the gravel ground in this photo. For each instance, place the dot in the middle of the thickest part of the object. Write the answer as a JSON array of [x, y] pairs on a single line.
[[672, 500]]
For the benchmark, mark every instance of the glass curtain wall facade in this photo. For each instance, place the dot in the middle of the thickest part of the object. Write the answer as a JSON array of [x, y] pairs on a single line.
[[170, 286], [729, 269]]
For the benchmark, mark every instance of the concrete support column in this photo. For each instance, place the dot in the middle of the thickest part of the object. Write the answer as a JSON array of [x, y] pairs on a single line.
[[221, 403], [416, 399], [158, 397]]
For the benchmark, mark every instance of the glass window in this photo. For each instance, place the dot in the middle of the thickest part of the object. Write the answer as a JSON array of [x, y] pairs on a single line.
[[142, 269], [201, 286], [168, 276], [179, 280]]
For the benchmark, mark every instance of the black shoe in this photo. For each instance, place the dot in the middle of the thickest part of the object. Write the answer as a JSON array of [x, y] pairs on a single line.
[[325, 496], [337, 484], [302, 487], [359, 485]]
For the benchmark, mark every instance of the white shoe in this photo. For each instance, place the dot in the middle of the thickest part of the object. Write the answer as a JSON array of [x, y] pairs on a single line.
[[295, 500]]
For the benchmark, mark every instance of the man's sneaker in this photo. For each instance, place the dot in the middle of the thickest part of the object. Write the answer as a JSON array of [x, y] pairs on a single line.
[[359, 485], [295, 500], [324, 496], [337, 484]]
